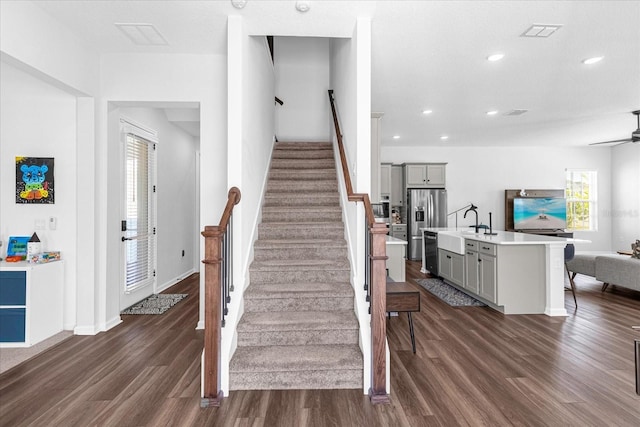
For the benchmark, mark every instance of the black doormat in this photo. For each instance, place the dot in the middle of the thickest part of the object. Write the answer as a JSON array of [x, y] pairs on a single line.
[[448, 293], [155, 304]]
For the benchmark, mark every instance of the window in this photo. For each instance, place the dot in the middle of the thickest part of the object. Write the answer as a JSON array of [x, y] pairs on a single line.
[[582, 198]]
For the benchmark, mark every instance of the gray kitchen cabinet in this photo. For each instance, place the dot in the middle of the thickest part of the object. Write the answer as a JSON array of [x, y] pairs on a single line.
[[481, 269], [397, 186], [471, 270], [399, 231], [385, 181], [487, 276], [451, 266], [430, 175]]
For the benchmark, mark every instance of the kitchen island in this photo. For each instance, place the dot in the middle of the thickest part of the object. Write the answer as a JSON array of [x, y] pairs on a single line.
[[514, 273]]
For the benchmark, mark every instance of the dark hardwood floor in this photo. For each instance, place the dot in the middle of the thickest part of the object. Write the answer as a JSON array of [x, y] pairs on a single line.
[[473, 366]]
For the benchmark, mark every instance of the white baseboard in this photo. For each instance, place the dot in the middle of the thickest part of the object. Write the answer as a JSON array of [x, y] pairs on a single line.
[[85, 330], [166, 285], [200, 324], [111, 323]]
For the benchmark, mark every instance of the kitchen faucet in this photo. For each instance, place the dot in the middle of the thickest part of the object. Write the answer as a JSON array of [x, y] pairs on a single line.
[[473, 209]]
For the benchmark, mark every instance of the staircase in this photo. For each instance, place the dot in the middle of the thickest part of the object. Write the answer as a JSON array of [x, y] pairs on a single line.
[[299, 330]]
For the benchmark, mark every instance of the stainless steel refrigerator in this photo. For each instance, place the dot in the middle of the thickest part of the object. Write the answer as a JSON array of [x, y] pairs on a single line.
[[425, 208]]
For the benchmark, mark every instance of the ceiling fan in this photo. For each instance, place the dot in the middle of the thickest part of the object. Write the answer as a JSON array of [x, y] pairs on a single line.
[[635, 135]]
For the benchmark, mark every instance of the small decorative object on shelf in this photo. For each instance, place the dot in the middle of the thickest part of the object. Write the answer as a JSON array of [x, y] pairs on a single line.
[[635, 249], [34, 247], [43, 257], [17, 248]]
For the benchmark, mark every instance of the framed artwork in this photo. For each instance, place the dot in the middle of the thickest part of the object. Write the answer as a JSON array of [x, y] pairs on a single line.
[[34, 180]]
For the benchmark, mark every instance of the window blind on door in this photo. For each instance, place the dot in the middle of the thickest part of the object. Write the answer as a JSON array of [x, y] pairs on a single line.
[[140, 232]]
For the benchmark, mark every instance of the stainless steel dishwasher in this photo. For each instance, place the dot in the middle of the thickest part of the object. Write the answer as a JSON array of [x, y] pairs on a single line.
[[431, 252]]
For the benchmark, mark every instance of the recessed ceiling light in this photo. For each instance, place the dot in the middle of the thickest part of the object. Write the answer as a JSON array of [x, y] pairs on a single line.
[[495, 57], [396, 136], [303, 6], [425, 112], [492, 112], [444, 137], [593, 60], [239, 4]]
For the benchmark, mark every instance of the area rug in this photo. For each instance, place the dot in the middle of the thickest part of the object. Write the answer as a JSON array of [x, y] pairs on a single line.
[[155, 304], [448, 293]]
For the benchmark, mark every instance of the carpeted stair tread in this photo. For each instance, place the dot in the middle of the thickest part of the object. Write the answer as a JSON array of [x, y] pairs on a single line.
[[302, 174], [298, 320], [297, 145], [299, 243], [302, 163], [300, 264], [296, 358], [301, 290]]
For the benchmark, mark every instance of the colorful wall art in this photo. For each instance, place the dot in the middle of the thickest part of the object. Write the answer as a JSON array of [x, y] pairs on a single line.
[[34, 180]]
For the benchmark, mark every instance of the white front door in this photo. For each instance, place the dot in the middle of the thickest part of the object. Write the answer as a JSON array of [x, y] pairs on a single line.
[[138, 223]]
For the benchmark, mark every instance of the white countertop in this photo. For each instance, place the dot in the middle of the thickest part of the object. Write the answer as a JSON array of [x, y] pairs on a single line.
[[439, 229], [395, 241], [22, 265], [504, 237]]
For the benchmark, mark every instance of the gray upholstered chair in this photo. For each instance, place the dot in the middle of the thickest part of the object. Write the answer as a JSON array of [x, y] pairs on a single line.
[[569, 253]]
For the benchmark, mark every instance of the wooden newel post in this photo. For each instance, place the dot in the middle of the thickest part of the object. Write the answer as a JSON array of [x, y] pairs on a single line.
[[378, 392], [212, 324]]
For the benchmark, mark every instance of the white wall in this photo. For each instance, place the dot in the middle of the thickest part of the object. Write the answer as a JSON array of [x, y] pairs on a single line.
[[625, 190], [480, 175], [55, 54], [302, 81], [251, 127], [351, 81], [39, 45], [39, 120], [176, 196]]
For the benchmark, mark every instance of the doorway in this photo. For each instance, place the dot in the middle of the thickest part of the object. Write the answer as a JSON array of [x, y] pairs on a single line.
[[138, 224]]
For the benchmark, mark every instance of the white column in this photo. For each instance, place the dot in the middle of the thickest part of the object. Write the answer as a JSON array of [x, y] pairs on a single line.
[[554, 285]]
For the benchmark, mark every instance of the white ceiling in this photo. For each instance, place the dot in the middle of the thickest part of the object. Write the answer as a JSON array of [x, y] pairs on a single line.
[[432, 55]]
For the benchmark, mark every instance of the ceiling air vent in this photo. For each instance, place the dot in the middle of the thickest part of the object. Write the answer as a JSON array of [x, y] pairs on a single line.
[[142, 34], [541, 30], [515, 112]]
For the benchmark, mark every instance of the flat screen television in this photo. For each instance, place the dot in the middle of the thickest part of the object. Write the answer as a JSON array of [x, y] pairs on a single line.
[[540, 213]]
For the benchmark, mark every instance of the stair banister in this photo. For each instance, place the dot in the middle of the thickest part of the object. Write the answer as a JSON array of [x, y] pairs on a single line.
[[376, 248], [217, 261]]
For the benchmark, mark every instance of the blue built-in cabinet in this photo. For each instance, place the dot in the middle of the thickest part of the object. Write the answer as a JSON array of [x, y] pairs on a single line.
[[31, 302], [13, 303]]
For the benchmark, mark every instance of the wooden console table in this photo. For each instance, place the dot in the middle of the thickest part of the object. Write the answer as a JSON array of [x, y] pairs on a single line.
[[402, 297]]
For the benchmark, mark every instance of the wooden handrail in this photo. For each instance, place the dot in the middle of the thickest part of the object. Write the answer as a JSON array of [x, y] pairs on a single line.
[[377, 259], [213, 259]]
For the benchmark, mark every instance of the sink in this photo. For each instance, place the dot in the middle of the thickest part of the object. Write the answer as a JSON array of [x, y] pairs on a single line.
[[452, 241]]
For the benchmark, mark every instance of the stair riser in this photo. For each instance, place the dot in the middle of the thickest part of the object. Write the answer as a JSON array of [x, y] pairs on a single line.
[[284, 232], [303, 146], [302, 163], [320, 252], [303, 154], [302, 175], [292, 199], [333, 379], [298, 304], [292, 216], [296, 276], [264, 338], [282, 186]]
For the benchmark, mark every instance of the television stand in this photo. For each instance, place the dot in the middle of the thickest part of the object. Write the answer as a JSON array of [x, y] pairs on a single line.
[[555, 233]]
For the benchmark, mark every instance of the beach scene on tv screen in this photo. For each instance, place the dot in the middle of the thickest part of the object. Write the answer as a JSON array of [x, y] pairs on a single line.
[[539, 214]]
